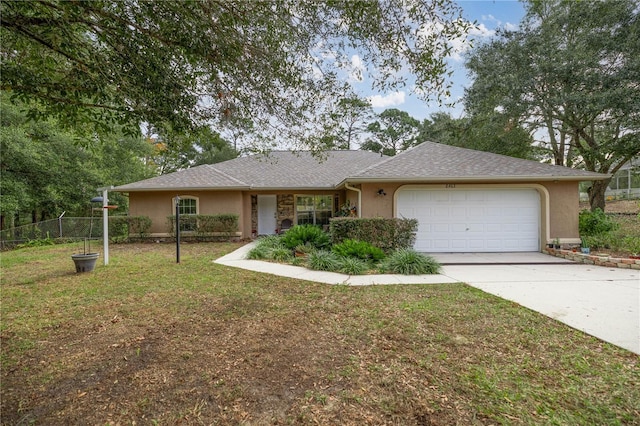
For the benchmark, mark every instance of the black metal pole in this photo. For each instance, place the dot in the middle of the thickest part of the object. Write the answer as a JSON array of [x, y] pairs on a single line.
[[177, 229]]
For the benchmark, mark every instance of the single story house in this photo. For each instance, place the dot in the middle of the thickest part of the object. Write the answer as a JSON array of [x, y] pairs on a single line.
[[464, 200]]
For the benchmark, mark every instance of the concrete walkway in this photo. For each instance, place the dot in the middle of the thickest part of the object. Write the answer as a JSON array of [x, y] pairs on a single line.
[[603, 302]]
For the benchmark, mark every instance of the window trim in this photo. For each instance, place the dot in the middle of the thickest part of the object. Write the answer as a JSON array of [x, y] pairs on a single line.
[[329, 208], [182, 198]]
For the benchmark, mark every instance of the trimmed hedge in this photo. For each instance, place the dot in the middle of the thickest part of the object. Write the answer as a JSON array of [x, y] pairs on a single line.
[[206, 225], [387, 234], [129, 226]]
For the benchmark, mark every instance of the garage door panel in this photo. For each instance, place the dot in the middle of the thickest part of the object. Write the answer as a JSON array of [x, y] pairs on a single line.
[[473, 220]]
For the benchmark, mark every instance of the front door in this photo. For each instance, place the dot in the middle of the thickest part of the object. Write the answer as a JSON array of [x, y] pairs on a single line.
[[267, 209]]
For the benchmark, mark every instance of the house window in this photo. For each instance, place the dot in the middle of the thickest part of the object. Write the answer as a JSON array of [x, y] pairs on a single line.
[[188, 207], [314, 209]]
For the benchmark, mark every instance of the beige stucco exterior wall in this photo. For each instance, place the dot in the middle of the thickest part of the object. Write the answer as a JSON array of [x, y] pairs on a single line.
[[559, 204], [159, 205], [564, 201]]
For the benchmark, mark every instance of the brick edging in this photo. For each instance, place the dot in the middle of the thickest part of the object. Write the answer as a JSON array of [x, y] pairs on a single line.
[[592, 259]]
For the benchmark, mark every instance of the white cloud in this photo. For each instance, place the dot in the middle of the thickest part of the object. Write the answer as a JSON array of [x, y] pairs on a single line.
[[392, 99], [510, 27], [460, 45], [357, 69], [491, 18], [481, 31]]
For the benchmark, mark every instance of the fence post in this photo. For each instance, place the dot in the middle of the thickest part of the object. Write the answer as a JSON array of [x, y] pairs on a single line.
[[60, 222]]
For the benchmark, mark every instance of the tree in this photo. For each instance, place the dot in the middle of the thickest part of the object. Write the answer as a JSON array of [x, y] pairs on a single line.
[[572, 70], [189, 63], [46, 170], [348, 121], [176, 151], [493, 133], [392, 133]]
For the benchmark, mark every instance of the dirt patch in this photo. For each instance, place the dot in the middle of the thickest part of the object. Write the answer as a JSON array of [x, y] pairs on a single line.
[[617, 206]]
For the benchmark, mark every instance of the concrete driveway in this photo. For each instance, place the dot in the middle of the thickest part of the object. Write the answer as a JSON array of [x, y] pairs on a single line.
[[603, 302]]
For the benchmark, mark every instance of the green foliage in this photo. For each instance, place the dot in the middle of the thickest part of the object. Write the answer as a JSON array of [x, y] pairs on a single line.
[[129, 226], [37, 243], [324, 260], [353, 266], [393, 132], [281, 254], [409, 262], [204, 225], [305, 248], [490, 132], [358, 249], [387, 234], [269, 248], [569, 72], [47, 170], [305, 234], [128, 61], [591, 223]]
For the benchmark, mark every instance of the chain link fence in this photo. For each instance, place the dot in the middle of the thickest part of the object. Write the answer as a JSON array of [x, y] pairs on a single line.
[[69, 228]]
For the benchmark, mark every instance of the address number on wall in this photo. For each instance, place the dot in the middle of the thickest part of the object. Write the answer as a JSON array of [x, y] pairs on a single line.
[[449, 185]]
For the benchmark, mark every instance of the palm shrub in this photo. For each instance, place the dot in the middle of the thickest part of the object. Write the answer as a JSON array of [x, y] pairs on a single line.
[[358, 249], [305, 234], [409, 262], [323, 260]]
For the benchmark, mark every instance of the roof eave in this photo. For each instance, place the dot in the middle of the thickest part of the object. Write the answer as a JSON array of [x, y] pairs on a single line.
[[448, 179], [182, 189]]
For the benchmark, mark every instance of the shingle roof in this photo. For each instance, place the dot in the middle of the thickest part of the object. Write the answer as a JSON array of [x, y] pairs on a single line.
[[278, 170], [431, 161], [427, 162]]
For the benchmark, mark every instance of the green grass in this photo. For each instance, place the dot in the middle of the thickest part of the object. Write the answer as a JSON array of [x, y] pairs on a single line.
[[149, 341]]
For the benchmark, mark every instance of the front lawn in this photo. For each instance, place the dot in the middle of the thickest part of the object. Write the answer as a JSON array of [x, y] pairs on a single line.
[[149, 341]]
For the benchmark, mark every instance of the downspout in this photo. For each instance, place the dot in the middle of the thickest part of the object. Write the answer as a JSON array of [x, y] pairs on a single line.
[[346, 185]]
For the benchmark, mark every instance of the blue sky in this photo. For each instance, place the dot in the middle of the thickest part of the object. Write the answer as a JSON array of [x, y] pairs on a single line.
[[489, 16]]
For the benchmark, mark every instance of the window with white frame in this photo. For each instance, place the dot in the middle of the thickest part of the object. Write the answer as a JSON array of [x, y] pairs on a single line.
[[188, 206], [314, 209]]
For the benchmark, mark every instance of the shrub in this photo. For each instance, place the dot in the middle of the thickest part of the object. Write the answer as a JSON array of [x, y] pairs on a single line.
[[595, 223], [305, 234], [352, 266], [258, 253], [281, 254], [323, 260], [387, 234], [204, 225], [269, 247], [129, 226], [358, 249], [409, 262]]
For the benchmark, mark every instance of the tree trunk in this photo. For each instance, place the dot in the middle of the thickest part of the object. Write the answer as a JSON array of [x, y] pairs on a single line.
[[596, 194]]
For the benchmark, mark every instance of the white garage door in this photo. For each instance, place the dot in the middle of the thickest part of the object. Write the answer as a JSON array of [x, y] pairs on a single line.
[[496, 220]]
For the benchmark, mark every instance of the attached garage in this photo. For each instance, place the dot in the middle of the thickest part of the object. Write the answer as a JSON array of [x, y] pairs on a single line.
[[472, 220]]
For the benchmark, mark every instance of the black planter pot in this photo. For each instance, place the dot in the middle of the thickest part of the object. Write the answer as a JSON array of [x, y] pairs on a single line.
[[85, 262]]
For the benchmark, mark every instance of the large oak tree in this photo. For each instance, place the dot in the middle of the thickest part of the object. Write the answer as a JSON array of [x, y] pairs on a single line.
[[216, 62], [572, 72]]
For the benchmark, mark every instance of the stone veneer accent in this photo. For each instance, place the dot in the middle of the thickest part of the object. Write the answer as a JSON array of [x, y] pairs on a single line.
[[254, 214], [285, 208], [593, 259]]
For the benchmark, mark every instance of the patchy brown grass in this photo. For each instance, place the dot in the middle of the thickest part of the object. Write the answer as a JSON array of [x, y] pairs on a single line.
[[148, 341]]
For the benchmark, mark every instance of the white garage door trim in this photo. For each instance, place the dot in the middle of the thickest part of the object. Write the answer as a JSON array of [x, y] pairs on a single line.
[[472, 218]]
